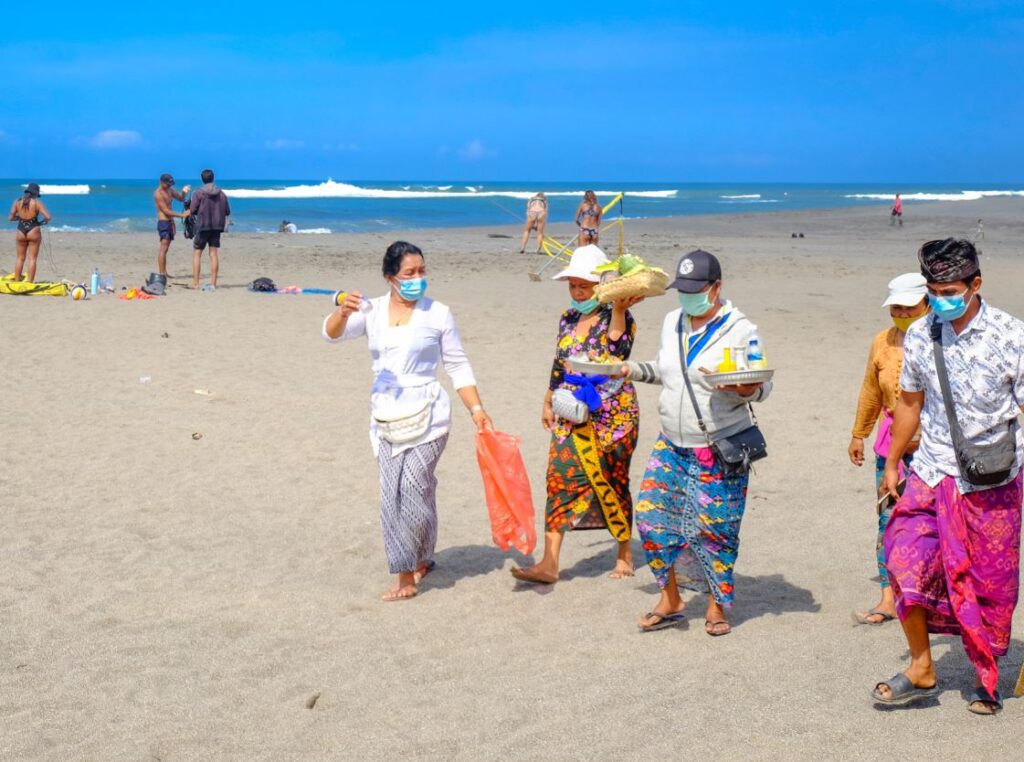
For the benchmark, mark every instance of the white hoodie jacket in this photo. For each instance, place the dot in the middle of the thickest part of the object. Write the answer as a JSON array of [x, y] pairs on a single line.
[[724, 413]]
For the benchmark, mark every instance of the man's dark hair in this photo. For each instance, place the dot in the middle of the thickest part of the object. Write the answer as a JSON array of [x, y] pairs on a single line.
[[206, 175], [393, 257]]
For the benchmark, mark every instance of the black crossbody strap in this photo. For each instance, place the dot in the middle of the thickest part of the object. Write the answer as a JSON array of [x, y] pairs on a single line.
[[955, 431], [689, 386], [686, 380]]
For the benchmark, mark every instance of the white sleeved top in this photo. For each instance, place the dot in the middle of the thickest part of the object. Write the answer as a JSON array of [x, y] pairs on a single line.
[[405, 362]]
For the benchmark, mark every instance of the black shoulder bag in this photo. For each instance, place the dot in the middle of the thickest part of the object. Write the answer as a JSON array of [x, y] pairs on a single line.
[[735, 452], [980, 465]]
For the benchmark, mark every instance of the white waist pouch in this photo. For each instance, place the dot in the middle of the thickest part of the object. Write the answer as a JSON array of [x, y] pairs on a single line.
[[407, 426]]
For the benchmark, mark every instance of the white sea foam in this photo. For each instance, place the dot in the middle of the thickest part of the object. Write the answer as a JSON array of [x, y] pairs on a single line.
[[966, 195], [444, 187], [332, 189], [744, 195], [315, 231], [748, 200], [72, 229], [63, 190]]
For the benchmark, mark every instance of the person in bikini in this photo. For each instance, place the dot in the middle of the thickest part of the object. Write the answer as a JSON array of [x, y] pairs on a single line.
[[165, 226], [588, 218], [536, 219], [26, 212]]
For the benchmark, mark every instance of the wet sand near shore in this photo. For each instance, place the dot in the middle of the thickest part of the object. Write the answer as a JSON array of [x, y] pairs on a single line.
[[172, 596]]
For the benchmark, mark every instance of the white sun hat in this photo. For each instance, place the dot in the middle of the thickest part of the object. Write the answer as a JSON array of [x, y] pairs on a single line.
[[582, 264], [906, 290]]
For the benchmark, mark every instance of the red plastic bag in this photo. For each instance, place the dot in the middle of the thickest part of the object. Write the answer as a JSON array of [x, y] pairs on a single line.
[[507, 488]]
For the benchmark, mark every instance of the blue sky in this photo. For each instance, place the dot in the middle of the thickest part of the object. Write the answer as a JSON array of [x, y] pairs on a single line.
[[636, 91]]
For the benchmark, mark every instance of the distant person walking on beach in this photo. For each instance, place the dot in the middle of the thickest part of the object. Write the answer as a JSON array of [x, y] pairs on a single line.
[[211, 209], [536, 219], [907, 302], [26, 211], [691, 502], [592, 442], [409, 337], [979, 233], [896, 213], [588, 219], [952, 547], [165, 226]]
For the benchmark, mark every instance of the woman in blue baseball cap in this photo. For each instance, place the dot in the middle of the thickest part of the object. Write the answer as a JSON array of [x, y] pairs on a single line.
[[691, 504]]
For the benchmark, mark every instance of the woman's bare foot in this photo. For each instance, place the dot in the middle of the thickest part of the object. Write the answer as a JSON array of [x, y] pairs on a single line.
[[536, 575], [623, 569], [422, 571], [404, 588]]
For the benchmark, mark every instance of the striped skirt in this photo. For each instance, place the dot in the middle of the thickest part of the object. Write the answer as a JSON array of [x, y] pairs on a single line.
[[408, 503]]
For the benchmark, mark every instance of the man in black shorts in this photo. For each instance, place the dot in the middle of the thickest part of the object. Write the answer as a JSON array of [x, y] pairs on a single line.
[[211, 210], [165, 217]]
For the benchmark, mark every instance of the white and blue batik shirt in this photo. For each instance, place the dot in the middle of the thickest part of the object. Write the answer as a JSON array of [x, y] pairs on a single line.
[[985, 364]]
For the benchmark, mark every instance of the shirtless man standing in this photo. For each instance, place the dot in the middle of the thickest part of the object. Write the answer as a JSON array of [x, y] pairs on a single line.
[[165, 216]]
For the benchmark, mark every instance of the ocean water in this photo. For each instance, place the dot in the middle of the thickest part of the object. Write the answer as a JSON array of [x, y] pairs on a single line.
[[327, 206]]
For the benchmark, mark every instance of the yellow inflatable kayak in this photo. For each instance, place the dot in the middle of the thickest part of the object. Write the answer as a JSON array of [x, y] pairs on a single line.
[[10, 286]]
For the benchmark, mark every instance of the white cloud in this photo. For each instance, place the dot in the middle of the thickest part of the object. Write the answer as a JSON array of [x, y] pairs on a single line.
[[474, 150], [283, 144], [113, 139]]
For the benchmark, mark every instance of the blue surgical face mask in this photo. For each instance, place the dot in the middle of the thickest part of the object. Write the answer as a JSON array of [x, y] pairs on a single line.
[[585, 308], [412, 290], [949, 308], [695, 304]]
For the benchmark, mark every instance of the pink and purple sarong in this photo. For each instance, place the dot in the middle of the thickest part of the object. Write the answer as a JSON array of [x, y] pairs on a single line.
[[957, 556]]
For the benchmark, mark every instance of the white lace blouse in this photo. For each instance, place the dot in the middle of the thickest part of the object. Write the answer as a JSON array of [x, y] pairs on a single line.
[[405, 363]]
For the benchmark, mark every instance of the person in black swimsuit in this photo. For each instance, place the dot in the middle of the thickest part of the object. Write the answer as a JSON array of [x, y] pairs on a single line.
[[26, 211]]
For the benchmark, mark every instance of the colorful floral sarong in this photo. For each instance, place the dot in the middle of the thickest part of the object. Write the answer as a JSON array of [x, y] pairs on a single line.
[[689, 515], [573, 502], [957, 556]]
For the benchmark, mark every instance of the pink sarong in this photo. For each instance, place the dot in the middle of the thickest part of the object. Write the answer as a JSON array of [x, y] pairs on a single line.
[[957, 556]]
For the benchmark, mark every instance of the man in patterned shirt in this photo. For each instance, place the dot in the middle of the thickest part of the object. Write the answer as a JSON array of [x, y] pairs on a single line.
[[952, 547]]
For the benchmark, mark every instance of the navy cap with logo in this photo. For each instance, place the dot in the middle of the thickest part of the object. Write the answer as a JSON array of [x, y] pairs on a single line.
[[166, 178], [695, 271]]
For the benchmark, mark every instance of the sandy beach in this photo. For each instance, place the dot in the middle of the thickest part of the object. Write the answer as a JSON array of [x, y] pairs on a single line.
[[168, 597]]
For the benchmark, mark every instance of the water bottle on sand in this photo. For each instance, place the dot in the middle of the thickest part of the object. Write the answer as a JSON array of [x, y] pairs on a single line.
[[94, 283]]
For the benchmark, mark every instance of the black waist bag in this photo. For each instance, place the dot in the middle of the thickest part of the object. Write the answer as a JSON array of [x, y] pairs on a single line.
[[737, 451], [980, 465]]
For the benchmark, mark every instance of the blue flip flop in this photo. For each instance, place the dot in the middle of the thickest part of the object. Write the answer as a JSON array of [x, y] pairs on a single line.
[[902, 692], [979, 694]]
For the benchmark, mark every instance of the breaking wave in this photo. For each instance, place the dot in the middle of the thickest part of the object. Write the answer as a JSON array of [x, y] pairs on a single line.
[[332, 189], [965, 195]]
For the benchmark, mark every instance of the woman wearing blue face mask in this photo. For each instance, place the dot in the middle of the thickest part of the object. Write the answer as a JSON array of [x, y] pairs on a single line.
[[688, 511], [588, 464], [409, 337]]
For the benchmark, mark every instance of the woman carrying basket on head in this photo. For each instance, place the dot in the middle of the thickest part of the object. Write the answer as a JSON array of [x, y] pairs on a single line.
[[593, 428], [691, 504], [409, 337]]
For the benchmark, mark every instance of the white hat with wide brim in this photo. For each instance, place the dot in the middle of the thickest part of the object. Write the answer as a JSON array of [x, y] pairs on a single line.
[[906, 290], [584, 261]]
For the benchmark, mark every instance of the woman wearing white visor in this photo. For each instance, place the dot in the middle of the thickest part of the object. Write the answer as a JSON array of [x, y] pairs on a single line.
[[907, 302]]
